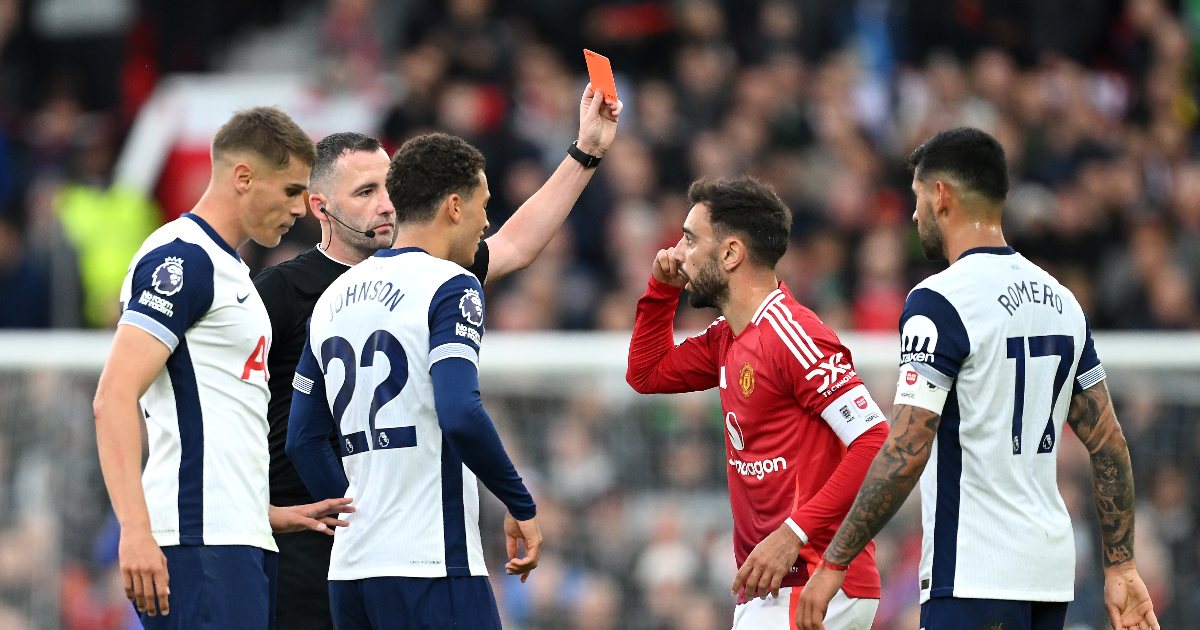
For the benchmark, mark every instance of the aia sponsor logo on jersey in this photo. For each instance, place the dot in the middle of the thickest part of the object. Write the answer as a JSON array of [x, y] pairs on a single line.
[[746, 380]]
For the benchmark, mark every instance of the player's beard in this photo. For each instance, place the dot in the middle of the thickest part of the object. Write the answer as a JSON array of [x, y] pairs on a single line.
[[708, 287], [932, 242]]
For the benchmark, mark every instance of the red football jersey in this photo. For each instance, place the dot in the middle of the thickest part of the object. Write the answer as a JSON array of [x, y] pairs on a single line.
[[792, 402]]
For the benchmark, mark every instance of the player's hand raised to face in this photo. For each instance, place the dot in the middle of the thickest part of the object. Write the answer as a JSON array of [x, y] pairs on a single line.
[[529, 532], [666, 268], [144, 571]]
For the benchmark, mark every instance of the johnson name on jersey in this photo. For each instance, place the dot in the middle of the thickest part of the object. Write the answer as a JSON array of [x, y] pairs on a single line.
[[374, 336], [206, 477], [998, 347]]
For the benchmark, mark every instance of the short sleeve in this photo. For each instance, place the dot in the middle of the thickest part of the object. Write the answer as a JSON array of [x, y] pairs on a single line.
[[933, 339], [1090, 370], [456, 320], [170, 290], [483, 258]]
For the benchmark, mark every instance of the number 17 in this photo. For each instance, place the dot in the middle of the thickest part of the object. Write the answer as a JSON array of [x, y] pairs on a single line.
[[1062, 346]]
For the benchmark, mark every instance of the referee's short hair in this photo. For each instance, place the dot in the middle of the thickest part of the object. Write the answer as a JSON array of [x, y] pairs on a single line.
[[332, 147]]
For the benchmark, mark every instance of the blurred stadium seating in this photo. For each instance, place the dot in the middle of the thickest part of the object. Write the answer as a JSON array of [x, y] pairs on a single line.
[[1096, 103]]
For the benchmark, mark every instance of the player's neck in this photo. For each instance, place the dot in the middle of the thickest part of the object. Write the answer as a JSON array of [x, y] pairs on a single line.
[[971, 235], [426, 237], [222, 216], [745, 296]]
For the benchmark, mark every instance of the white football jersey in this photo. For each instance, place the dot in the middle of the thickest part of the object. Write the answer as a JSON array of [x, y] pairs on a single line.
[[1012, 346], [374, 334], [206, 412]]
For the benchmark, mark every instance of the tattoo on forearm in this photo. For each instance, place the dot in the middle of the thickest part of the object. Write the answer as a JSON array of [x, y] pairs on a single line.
[[1095, 422], [889, 481]]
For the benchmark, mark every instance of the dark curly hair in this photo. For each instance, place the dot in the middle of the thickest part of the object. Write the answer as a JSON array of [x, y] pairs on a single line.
[[750, 209], [426, 169]]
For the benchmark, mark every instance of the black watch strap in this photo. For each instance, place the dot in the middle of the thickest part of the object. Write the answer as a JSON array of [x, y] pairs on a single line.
[[586, 159]]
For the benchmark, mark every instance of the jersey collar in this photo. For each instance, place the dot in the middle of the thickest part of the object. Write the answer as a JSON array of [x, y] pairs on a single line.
[[208, 229], [401, 250], [999, 251]]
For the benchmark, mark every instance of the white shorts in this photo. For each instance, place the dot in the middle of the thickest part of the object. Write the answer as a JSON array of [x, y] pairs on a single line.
[[778, 613]]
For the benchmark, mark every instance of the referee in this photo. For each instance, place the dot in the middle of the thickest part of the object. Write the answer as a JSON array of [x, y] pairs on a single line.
[[348, 195]]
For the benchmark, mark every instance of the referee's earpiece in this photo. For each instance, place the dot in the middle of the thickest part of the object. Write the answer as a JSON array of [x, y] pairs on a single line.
[[323, 210]]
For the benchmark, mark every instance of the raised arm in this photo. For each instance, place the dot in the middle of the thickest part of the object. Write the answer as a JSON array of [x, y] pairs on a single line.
[[526, 233], [655, 364], [1093, 419]]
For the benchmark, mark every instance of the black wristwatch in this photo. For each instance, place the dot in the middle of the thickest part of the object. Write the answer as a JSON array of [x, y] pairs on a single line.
[[586, 159]]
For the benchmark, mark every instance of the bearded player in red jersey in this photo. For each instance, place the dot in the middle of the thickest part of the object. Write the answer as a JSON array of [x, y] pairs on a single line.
[[801, 428]]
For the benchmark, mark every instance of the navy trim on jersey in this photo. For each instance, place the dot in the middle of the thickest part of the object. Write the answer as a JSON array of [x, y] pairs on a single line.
[[1089, 371], [454, 520], [949, 496], [310, 425], [385, 253], [999, 251], [939, 339], [191, 445], [456, 316], [208, 229], [469, 431], [174, 302]]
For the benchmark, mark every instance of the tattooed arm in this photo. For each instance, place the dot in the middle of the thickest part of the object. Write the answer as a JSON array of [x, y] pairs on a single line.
[[890, 480], [1093, 419]]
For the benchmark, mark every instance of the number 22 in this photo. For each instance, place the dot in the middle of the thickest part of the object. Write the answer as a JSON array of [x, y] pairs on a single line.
[[1062, 346], [380, 341]]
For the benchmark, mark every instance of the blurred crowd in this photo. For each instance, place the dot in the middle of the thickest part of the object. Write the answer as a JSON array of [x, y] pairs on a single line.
[[1096, 103]]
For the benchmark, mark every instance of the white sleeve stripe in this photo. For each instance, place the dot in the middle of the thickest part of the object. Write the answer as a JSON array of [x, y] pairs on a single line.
[[451, 350], [789, 338], [787, 341], [302, 383], [799, 532], [932, 375], [1091, 377], [775, 296], [797, 331], [788, 319], [152, 326]]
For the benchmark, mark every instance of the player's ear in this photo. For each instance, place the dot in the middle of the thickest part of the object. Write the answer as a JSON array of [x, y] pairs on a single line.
[[943, 195], [733, 252], [453, 207], [243, 177]]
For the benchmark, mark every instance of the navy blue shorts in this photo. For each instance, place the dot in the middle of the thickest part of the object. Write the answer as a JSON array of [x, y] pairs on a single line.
[[218, 587], [953, 613], [404, 603]]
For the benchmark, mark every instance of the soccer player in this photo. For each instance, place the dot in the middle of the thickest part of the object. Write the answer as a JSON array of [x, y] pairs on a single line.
[[389, 372], [800, 426], [348, 195], [190, 347], [995, 355]]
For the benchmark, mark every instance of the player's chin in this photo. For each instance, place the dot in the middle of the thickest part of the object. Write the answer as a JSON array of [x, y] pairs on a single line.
[[269, 239]]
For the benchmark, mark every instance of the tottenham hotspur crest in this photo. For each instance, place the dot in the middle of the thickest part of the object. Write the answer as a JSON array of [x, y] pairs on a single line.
[[168, 277], [471, 306]]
